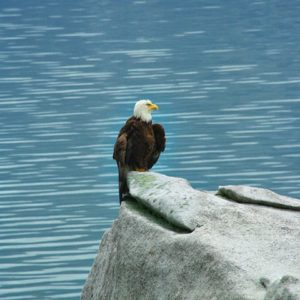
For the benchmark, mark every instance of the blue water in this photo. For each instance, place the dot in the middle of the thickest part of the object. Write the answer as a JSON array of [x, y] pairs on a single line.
[[224, 73]]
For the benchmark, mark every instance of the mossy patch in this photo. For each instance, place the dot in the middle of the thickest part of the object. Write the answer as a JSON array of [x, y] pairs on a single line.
[[144, 180]]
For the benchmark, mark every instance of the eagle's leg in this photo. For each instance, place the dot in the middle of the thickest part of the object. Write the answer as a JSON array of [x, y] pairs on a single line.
[[140, 170]]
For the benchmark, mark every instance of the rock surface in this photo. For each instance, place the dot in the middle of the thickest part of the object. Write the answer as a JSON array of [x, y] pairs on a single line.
[[253, 195], [173, 242]]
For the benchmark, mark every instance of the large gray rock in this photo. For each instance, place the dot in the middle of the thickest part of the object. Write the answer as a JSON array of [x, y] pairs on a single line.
[[174, 242]]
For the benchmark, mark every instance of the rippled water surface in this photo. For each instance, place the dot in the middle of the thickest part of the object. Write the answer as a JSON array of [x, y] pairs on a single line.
[[225, 75]]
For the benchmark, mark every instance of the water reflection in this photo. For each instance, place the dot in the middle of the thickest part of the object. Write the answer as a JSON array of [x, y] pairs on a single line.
[[225, 77]]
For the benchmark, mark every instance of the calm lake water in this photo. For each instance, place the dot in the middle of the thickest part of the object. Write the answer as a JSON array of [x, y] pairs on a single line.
[[226, 78]]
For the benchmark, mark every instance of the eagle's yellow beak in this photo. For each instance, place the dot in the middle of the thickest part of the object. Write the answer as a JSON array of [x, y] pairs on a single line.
[[153, 106]]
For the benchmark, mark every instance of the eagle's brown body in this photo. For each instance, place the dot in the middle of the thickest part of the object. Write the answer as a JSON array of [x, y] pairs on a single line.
[[137, 148]]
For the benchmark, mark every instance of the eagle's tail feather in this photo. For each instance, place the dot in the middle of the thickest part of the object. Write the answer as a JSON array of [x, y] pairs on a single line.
[[123, 187]]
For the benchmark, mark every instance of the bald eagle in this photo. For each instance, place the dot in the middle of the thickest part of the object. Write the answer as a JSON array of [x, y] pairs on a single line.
[[139, 143]]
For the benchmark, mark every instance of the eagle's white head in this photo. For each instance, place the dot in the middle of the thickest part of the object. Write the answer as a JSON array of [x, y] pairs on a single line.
[[143, 109]]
